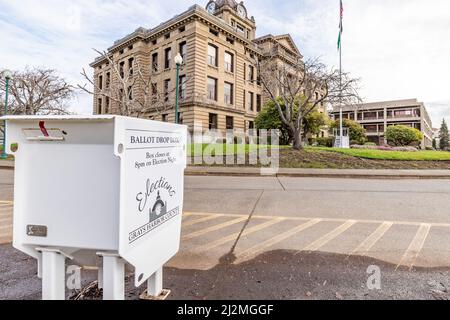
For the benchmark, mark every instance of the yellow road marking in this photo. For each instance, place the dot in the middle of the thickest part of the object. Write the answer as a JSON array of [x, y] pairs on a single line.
[[187, 214], [234, 236], [406, 223], [199, 233], [319, 243], [204, 219], [371, 240], [413, 251], [257, 249]]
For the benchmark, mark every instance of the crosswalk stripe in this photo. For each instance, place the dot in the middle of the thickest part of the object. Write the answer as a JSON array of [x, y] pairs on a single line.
[[234, 236], [319, 243], [204, 219], [204, 231], [416, 245], [257, 249], [298, 218], [371, 240]]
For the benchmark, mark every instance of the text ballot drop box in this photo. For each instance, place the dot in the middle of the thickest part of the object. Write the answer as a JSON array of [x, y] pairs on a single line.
[[107, 189]]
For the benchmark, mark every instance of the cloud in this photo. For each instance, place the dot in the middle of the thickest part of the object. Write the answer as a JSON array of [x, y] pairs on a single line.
[[398, 48]]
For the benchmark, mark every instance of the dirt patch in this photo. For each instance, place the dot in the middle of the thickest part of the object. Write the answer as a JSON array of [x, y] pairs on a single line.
[[318, 159], [330, 160]]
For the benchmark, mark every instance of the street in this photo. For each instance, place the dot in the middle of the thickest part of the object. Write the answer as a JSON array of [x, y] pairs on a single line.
[[291, 231]]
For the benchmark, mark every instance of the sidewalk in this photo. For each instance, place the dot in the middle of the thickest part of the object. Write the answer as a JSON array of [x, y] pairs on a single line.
[[315, 173], [6, 164], [321, 173]]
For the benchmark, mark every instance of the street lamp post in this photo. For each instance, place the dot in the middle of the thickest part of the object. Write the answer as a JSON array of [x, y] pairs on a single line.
[[7, 75], [178, 61]]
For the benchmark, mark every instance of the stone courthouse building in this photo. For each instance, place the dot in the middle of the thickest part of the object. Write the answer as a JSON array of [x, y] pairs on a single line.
[[219, 80]]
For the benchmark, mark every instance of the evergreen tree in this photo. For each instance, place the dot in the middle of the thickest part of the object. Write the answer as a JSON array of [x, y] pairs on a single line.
[[444, 136]]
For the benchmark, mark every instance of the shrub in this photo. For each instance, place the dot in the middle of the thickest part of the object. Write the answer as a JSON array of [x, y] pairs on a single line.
[[325, 142], [356, 131], [370, 144], [401, 136]]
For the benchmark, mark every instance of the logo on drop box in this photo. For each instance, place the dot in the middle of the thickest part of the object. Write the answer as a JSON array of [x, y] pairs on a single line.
[[154, 202]]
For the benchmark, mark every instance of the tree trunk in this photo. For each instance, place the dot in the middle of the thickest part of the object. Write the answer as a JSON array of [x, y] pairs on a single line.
[[298, 140]]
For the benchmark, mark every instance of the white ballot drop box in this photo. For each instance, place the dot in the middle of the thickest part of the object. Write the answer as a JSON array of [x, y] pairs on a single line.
[[107, 189]]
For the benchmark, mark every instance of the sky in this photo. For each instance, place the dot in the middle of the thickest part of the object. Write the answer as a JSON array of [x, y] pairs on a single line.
[[399, 49]]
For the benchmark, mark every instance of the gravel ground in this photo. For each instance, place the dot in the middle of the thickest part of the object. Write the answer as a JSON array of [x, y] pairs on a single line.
[[273, 275]]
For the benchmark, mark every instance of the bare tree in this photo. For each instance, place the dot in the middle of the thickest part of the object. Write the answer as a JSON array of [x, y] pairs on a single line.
[[37, 92], [302, 87], [132, 92]]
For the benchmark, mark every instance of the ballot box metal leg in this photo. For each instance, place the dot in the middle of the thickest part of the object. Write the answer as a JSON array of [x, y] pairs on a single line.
[[100, 277], [155, 289], [113, 277], [155, 283], [53, 274]]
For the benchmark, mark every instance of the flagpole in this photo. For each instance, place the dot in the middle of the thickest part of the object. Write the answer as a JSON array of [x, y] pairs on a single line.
[[340, 83]]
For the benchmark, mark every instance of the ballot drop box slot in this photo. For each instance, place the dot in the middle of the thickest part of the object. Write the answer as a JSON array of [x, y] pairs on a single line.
[[87, 186]]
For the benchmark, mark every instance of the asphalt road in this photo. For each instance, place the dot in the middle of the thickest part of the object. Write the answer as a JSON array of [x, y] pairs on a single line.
[[295, 238]]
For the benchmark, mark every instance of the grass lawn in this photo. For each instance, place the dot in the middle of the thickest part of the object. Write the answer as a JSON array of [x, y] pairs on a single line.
[[390, 155], [224, 149]]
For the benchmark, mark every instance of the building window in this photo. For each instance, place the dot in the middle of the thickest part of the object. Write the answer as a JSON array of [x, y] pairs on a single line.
[[130, 93], [212, 89], [121, 69], [251, 106], [182, 29], [183, 51], [108, 80], [107, 103], [212, 121], [154, 42], [100, 105], [166, 89], [258, 103], [154, 92], [155, 62], [251, 125], [251, 73], [229, 62], [212, 55], [245, 99], [165, 118], [245, 71], [130, 48], [180, 118], [130, 66], [230, 123], [240, 29], [228, 93], [100, 82], [182, 87], [167, 36], [167, 58], [230, 41]]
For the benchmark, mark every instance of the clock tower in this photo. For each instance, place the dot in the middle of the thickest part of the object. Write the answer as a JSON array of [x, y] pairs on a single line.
[[235, 14]]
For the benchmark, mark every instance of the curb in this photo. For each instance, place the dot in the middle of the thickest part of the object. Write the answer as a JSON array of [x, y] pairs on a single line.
[[320, 173], [6, 164], [305, 173]]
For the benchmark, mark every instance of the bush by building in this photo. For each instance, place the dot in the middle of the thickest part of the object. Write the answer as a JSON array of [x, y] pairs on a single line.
[[401, 136]]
